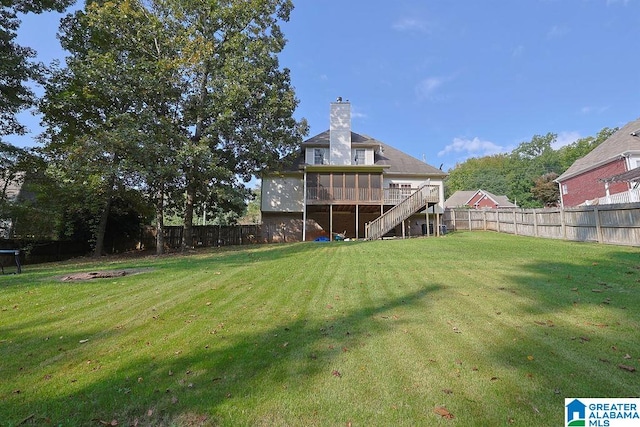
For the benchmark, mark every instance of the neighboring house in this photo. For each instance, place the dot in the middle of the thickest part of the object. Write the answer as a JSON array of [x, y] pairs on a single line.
[[342, 182], [585, 182], [478, 199]]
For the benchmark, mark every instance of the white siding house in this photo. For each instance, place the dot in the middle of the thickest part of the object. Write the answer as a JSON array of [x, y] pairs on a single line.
[[342, 181]]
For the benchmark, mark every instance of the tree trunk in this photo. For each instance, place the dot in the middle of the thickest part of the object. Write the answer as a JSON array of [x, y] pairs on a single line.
[[160, 223], [102, 227], [187, 232], [104, 215]]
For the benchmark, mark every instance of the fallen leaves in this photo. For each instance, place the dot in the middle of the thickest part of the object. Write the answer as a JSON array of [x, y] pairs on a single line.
[[627, 368], [548, 323], [336, 373], [106, 423], [443, 412]]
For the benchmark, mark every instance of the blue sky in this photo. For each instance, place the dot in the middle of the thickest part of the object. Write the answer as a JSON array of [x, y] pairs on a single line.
[[448, 80]]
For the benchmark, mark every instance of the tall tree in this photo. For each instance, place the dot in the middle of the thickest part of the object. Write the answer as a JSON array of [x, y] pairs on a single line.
[[109, 110], [580, 148], [526, 174], [183, 95], [545, 190], [239, 105], [486, 173], [16, 62]]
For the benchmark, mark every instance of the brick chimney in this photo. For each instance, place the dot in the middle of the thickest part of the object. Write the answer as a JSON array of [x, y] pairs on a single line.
[[340, 133]]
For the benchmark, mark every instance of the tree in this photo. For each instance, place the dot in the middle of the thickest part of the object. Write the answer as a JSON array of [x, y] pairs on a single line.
[[524, 174], [16, 65], [109, 111], [486, 173], [580, 148], [545, 190], [239, 105], [173, 97], [253, 212]]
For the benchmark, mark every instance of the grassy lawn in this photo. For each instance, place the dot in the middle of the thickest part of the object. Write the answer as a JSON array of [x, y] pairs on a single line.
[[497, 329]]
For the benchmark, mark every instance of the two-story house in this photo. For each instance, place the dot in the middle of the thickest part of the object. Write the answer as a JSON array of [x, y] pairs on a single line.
[[349, 184], [588, 179]]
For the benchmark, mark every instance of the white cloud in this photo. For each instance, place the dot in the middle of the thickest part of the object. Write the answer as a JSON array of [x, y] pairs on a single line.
[[472, 147], [593, 110], [426, 87], [565, 138], [517, 51], [557, 31], [411, 24], [355, 114]]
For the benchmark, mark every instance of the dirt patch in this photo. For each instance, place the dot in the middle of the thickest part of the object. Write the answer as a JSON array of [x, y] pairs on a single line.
[[106, 274]]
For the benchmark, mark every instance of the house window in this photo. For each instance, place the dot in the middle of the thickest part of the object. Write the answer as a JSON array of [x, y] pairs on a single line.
[[319, 156], [565, 190], [359, 159]]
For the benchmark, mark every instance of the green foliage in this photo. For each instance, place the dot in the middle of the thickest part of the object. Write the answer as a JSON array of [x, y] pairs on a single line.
[[580, 148], [253, 213], [488, 173], [524, 174], [174, 98], [16, 62], [546, 190]]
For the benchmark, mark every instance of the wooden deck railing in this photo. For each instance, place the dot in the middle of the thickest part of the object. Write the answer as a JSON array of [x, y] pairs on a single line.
[[387, 196], [403, 210]]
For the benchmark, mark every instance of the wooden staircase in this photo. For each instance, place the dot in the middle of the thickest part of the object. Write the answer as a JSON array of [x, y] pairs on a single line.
[[403, 210]]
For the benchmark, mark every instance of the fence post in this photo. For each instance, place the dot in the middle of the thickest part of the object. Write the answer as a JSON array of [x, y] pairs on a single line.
[[535, 222], [498, 220], [515, 223], [469, 211], [563, 224], [596, 212]]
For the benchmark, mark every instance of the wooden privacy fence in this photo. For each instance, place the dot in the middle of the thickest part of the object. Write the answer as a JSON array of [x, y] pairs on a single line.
[[215, 235], [611, 224]]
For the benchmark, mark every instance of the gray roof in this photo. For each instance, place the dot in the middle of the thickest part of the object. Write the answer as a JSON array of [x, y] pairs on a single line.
[[459, 198], [396, 161], [462, 198], [623, 141]]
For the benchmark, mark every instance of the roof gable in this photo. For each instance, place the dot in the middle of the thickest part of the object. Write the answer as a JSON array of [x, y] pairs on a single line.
[[463, 198], [394, 160], [626, 139]]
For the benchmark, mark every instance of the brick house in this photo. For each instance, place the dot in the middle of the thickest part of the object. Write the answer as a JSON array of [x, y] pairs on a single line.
[[585, 182], [352, 185], [478, 199]]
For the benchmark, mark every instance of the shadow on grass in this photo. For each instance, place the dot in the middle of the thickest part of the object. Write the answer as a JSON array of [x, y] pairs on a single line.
[[185, 383], [577, 336]]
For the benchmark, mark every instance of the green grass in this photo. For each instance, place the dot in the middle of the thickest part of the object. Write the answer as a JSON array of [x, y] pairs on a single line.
[[498, 329]]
